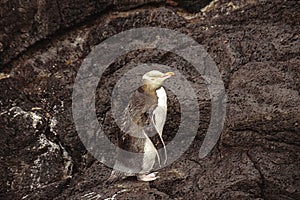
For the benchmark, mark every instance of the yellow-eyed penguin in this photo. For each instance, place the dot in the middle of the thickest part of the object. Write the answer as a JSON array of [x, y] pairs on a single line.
[[144, 116]]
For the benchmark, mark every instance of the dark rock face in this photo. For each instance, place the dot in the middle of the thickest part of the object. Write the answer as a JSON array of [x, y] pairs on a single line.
[[255, 45], [25, 23]]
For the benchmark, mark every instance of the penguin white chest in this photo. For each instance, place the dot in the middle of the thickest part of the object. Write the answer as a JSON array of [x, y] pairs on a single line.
[[162, 97], [158, 118], [160, 112]]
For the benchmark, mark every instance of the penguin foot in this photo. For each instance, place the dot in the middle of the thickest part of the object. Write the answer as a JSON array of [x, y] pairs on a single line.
[[148, 177]]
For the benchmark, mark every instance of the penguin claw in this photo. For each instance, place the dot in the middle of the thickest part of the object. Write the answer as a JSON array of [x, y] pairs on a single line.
[[148, 177], [115, 177], [112, 179]]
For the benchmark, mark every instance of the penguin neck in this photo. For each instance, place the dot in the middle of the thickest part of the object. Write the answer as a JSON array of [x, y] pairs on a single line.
[[149, 90]]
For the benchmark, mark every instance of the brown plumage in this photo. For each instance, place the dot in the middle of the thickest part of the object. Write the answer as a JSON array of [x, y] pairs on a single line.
[[137, 126]]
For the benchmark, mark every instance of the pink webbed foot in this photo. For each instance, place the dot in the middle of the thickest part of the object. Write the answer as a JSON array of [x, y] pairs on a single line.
[[148, 177]]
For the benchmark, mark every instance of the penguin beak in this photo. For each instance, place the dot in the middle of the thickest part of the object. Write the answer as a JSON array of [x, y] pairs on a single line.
[[168, 75]]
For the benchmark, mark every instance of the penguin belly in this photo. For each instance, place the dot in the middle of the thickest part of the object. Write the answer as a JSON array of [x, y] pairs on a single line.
[[127, 163], [150, 153], [149, 156], [133, 164]]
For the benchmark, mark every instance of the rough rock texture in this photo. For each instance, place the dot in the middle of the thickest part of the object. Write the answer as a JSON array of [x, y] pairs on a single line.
[[26, 23], [256, 46]]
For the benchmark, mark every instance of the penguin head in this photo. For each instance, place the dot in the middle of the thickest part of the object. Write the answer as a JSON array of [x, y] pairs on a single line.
[[154, 79]]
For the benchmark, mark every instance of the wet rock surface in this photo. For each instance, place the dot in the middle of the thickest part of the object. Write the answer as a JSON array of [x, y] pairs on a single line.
[[255, 45]]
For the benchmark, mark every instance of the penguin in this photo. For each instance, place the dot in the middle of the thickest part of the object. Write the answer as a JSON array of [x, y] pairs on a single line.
[[144, 116]]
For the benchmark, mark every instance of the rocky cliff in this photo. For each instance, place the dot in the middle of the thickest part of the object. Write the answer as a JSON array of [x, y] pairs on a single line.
[[255, 45]]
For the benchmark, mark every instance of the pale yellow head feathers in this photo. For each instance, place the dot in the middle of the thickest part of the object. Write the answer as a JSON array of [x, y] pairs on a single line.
[[154, 79]]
